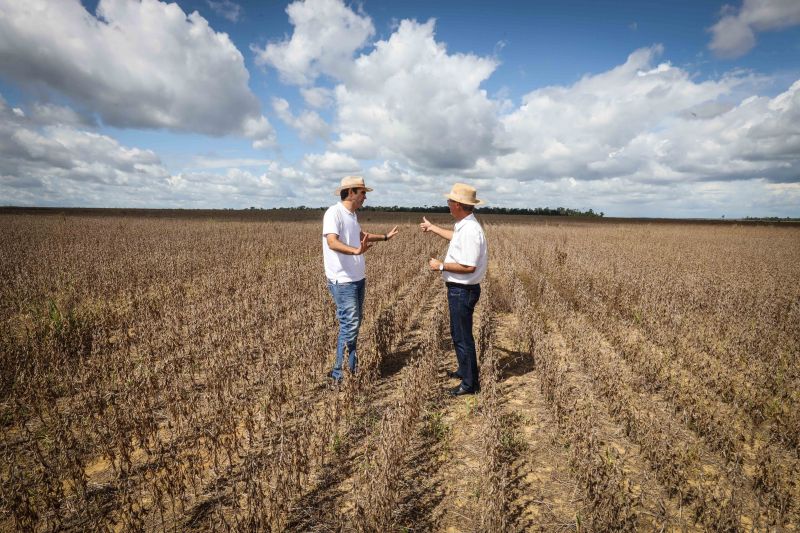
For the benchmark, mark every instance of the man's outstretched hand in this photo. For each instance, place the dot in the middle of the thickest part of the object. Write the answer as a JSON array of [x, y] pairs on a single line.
[[364, 246], [392, 233], [425, 225]]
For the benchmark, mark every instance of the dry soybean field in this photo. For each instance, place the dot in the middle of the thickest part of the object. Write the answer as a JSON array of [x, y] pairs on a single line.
[[168, 373]]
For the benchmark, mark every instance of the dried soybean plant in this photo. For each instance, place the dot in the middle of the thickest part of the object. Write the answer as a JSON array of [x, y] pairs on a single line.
[[660, 309], [168, 372], [495, 467], [153, 368], [381, 480], [606, 489]]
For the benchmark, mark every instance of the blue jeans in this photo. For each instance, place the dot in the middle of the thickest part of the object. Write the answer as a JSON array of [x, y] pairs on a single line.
[[349, 299], [461, 300]]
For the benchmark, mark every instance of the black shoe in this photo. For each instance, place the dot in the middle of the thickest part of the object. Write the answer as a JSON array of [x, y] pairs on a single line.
[[461, 391], [453, 375]]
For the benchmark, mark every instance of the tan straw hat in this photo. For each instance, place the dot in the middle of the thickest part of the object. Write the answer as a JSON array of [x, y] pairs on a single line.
[[351, 182], [464, 194]]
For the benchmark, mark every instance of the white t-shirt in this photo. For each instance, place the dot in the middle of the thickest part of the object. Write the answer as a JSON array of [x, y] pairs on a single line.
[[341, 267], [468, 248]]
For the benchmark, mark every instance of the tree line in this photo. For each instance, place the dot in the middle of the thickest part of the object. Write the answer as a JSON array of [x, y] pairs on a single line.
[[541, 211]]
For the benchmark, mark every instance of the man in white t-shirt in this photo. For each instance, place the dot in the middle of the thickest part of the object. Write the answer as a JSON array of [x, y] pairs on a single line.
[[462, 270], [343, 248]]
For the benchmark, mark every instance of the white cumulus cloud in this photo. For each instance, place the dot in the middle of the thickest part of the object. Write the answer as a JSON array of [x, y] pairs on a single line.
[[410, 99], [735, 33], [331, 164], [232, 188], [309, 124], [47, 113], [582, 130], [137, 64], [406, 98], [645, 137], [58, 163], [326, 34], [317, 97]]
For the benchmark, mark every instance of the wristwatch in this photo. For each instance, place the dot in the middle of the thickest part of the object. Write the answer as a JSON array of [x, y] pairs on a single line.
[[441, 267]]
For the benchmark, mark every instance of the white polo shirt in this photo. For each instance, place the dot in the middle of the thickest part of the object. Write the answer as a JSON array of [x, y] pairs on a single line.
[[341, 267], [467, 247]]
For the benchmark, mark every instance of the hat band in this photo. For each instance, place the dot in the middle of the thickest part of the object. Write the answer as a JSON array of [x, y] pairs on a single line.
[[462, 199]]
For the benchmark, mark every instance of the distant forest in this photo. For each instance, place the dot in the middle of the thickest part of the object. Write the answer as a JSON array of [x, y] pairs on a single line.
[[546, 211], [773, 219]]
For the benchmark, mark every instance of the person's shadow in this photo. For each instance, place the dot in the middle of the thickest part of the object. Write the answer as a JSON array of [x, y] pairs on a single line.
[[394, 361], [513, 363]]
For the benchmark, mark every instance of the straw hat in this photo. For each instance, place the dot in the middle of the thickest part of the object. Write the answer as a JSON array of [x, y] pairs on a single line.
[[464, 194], [351, 182]]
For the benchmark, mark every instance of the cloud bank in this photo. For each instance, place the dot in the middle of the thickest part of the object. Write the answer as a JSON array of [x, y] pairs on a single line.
[[135, 64], [44, 158], [47, 161], [650, 123]]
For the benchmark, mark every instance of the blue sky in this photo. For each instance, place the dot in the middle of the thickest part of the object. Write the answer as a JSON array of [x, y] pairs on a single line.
[[640, 108]]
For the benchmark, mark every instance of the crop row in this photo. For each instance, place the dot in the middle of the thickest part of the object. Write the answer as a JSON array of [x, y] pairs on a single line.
[[669, 450], [610, 502], [380, 481], [721, 303], [494, 502], [721, 426]]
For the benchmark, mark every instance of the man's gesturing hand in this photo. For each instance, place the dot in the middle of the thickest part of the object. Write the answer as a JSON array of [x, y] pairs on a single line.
[[425, 225], [392, 233], [364, 246]]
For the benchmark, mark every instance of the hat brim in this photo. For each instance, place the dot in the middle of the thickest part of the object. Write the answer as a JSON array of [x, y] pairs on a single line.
[[450, 196]]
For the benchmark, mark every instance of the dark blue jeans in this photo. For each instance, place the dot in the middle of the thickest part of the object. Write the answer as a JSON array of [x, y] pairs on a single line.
[[349, 299], [462, 300]]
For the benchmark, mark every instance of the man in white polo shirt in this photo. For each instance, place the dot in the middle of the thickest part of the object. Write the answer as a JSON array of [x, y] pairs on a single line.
[[462, 270], [343, 248]]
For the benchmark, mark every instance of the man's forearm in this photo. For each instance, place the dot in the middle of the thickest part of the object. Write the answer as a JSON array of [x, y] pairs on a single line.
[[458, 268], [441, 232], [375, 237], [342, 248]]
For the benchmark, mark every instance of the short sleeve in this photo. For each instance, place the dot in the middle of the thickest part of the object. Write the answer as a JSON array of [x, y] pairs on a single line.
[[330, 223]]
